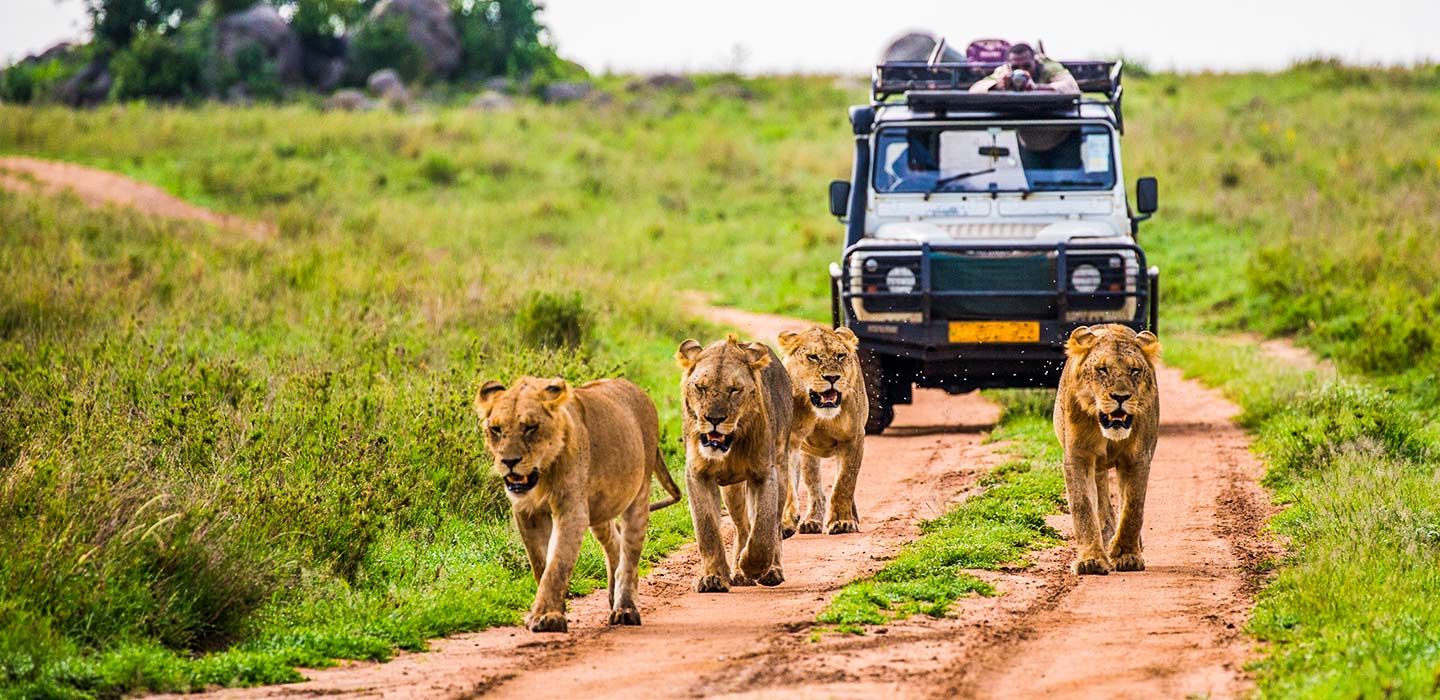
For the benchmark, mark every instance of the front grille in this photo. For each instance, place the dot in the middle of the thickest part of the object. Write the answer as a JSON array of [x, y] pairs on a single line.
[[991, 273]]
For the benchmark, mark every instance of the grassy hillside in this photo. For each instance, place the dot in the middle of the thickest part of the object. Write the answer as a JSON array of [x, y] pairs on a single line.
[[266, 447]]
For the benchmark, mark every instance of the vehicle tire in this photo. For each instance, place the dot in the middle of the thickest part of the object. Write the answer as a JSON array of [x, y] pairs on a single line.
[[882, 412]]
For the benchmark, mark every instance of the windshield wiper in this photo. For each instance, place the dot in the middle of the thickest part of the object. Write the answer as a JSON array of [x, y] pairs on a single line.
[[942, 182], [1067, 183]]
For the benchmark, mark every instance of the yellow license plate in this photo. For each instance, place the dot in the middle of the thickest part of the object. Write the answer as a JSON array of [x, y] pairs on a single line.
[[994, 331]]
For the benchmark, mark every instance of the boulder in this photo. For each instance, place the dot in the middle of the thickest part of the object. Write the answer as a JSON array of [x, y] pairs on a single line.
[[663, 81], [491, 101], [387, 85], [262, 26], [90, 86], [500, 84], [431, 25], [562, 92], [349, 101], [917, 46]]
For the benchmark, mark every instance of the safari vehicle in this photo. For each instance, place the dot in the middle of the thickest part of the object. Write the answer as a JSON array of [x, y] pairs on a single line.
[[982, 228]]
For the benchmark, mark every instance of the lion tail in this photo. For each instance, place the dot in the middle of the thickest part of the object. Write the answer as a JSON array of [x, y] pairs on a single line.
[[666, 482]]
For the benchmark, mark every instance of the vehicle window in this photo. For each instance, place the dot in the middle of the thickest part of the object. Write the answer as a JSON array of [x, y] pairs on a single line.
[[994, 158]]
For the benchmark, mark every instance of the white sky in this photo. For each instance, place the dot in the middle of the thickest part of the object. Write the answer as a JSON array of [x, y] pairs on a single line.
[[844, 36]]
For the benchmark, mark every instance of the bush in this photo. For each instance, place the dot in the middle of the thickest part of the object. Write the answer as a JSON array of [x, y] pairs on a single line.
[[253, 71], [501, 37], [385, 44], [166, 67], [554, 320], [29, 81], [439, 169]]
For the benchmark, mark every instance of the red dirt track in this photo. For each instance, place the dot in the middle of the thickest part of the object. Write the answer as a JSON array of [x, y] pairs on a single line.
[[1168, 632]]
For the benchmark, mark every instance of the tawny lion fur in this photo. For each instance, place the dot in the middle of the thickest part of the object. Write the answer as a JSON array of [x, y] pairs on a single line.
[[1109, 371], [820, 360], [736, 423], [594, 447]]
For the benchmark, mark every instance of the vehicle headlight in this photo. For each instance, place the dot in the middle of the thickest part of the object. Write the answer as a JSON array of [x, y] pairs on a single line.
[[901, 280], [1085, 279]]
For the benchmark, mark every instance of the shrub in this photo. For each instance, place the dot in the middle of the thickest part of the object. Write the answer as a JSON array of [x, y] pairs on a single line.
[[28, 81], [155, 65], [501, 37], [554, 320], [385, 44], [439, 169], [254, 71]]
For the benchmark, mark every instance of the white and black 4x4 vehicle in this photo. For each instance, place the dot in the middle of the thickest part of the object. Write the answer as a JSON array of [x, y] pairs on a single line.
[[982, 228]]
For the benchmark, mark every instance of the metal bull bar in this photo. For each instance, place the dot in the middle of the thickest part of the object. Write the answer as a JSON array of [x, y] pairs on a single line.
[[1145, 288]]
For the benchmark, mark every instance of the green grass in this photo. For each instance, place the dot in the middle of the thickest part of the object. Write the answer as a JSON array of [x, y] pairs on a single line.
[[993, 528]]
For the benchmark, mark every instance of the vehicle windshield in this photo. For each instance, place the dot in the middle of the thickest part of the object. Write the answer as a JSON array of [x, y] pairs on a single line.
[[951, 158]]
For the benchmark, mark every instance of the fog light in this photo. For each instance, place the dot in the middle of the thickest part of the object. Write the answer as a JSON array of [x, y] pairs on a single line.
[[901, 280], [1085, 279]]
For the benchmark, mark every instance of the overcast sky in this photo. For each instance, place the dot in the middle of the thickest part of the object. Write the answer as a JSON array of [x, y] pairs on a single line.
[[843, 36]]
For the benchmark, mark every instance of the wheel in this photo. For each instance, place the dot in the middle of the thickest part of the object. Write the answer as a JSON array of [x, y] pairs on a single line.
[[882, 412]]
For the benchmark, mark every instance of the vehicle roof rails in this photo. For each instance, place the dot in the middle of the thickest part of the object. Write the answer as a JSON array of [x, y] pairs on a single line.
[[939, 85]]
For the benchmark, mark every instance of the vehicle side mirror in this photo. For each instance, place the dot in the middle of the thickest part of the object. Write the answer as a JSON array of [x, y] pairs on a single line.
[[1147, 195], [839, 197]]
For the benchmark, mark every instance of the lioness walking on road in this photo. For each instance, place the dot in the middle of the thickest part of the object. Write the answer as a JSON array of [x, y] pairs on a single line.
[[830, 411], [574, 459], [737, 413], [1107, 416]]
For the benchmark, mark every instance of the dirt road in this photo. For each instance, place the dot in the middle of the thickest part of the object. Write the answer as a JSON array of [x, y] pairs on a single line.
[[1171, 631]]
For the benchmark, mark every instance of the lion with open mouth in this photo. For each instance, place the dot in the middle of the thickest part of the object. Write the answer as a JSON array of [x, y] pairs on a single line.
[[1107, 416], [830, 411]]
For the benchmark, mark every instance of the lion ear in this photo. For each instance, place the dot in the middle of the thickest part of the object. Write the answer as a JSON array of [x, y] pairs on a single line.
[[485, 398], [688, 353], [757, 355], [1081, 340], [848, 337], [1149, 344], [555, 393], [789, 340]]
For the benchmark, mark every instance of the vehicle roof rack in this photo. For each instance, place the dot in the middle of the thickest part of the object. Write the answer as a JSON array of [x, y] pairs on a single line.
[[945, 86]]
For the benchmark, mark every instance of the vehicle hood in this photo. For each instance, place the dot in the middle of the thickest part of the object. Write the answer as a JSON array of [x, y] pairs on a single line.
[[993, 231]]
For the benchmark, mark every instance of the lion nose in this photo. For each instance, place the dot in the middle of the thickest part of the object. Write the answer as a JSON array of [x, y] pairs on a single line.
[[510, 462], [716, 420], [1120, 399], [832, 378]]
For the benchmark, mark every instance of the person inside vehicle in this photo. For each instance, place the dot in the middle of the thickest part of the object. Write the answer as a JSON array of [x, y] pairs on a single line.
[[1028, 71]]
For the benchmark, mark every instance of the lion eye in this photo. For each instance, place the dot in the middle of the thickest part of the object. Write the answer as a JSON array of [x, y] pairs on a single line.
[[813, 358], [495, 430], [1135, 372], [840, 357], [734, 391], [528, 430], [1103, 370]]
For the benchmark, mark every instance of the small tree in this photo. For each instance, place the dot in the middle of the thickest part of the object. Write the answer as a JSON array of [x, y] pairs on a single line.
[[501, 37], [117, 22]]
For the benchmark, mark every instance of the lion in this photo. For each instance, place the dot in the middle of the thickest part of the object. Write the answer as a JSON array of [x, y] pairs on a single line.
[[830, 411], [736, 418], [573, 459], [1107, 416]]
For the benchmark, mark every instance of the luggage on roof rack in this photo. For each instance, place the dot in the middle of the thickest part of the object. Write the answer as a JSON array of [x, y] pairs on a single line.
[[934, 85]]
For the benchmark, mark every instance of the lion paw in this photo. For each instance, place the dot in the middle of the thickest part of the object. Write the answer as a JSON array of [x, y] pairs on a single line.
[[549, 622], [1128, 562], [841, 527], [773, 577], [786, 532], [810, 527], [711, 583], [1091, 566], [741, 580], [625, 616]]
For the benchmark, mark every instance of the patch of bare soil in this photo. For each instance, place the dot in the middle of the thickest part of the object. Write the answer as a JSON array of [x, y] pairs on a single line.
[[99, 188]]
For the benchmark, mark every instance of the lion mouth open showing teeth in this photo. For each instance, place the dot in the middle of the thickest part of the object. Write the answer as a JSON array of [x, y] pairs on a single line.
[[1119, 420], [515, 483], [830, 398], [715, 440]]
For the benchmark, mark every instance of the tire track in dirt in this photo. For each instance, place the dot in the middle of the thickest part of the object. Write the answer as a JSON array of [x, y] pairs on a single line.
[[1171, 631]]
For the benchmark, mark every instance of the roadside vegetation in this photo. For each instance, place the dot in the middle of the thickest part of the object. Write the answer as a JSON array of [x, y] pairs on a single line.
[[265, 451]]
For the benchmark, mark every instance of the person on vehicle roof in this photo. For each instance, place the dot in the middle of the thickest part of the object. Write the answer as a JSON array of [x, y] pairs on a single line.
[[1040, 74]]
